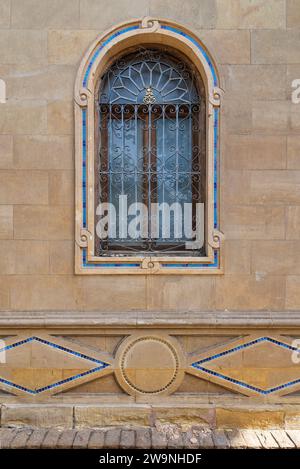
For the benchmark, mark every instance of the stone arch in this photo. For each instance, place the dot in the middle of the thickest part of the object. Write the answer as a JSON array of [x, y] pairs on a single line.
[[96, 60]]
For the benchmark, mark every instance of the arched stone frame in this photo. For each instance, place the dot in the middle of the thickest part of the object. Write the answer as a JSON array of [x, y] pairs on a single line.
[[94, 63]]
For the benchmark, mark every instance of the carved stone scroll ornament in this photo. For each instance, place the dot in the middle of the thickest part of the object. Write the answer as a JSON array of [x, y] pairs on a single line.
[[81, 98], [85, 237], [216, 239], [151, 24], [215, 96]]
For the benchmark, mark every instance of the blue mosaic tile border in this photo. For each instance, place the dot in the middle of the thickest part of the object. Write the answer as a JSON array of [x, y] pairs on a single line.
[[200, 48], [86, 264], [84, 141], [101, 46], [198, 366], [101, 366]]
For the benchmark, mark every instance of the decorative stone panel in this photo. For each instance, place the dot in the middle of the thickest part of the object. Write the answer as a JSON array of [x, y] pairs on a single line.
[[149, 357]]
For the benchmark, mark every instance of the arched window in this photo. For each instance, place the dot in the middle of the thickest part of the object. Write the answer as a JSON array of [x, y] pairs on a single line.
[[151, 160], [147, 102]]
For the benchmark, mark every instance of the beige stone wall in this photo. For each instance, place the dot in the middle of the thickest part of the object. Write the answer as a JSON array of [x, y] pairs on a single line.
[[256, 45]]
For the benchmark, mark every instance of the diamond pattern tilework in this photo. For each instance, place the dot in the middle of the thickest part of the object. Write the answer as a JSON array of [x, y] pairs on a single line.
[[35, 365], [263, 366]]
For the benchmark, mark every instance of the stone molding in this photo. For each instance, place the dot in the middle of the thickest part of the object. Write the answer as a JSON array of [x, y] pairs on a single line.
[[98, 57], [137, 319]]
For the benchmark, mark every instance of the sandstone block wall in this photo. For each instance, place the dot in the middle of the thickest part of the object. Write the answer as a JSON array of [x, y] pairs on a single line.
[[256, 47]]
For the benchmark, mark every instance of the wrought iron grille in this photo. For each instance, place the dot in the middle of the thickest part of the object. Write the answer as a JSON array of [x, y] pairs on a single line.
[[151, 149]]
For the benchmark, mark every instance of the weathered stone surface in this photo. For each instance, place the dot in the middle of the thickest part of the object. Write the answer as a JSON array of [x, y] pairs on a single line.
[[43, 152], [159, 439], [255, 152], [20, 439], [252, 82], [272, 116], [67, 47], [6, 151], [254, 222], [292, 416], [262, 187], [21, 187], [61, 188], [282, 439], [33, 50], [37, 416], [275, 47], [220, 439], [190, 440], [96, 439], [82, 439], [143, 438], [44, 14], [110, 415], [228, 47], [276, 257], [127, 440], [61, 257], [57, 222], [294, 435], [237, 114], [36, 438], [230, 418], [45, 292], [266, 439], [6, 437], [60, 117], [112, 438], [250, 14], [66, 439], [184, 416], [175, 442], [235, 438], [51, 439], [240, 264], [293, 222], [24, 257], [205, 439], [6, 221], [187, 12], [93, 14], [166, 292], [251, 439], [130, 289], [51, 82], [23, 117], [5, 9], [293, 152], [292, 14], [253, 292], [292, 301], [4, 293]]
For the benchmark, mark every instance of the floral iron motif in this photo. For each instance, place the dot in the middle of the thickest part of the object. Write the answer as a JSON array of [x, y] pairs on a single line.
[[149, 97]]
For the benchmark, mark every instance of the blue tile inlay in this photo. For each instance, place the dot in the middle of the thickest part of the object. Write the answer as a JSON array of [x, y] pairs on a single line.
[[101, 365], [84, 168], [101, 46], [85, 264], [198, 366], [200, 48]]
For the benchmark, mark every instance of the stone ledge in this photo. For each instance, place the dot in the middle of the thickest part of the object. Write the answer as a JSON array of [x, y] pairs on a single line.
[[136, 319], [205, 416]]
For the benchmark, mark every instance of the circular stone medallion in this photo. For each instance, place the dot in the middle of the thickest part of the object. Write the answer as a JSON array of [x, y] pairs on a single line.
[[149, 365]]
